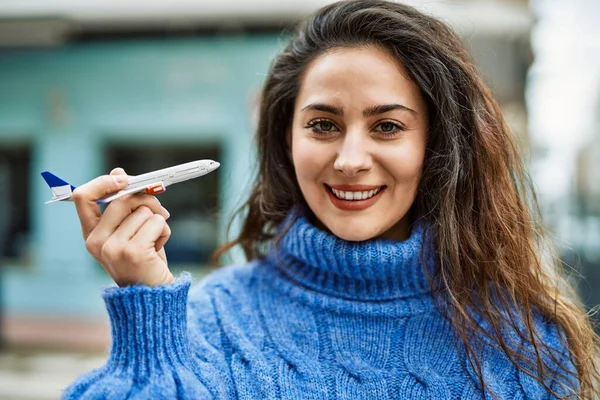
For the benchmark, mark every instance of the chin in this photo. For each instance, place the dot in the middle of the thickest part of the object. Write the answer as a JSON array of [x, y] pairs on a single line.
[[352, 234]]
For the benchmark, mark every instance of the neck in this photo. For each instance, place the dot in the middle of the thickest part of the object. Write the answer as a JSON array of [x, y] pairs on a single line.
[[377, 269]]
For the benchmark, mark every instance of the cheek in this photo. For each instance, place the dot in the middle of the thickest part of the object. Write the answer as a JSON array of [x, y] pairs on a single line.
[[309, 159], [405, 163]]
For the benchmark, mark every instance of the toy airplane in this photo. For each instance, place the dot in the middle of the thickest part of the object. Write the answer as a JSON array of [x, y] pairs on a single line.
[[154, 182]]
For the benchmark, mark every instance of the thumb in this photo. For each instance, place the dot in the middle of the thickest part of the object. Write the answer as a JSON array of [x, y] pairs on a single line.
[[118, 171]]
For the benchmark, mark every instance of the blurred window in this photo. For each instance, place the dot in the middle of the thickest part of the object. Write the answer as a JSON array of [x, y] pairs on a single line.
[[193, 205], [585, 235], [14, 204]]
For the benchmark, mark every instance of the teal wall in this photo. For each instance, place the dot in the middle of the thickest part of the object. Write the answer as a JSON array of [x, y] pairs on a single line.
[[68, 102]]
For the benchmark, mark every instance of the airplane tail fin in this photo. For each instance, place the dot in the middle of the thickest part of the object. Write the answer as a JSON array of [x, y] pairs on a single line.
[[61, 189]]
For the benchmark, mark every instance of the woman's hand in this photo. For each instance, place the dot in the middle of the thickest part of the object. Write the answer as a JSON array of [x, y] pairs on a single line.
[[128, 238]]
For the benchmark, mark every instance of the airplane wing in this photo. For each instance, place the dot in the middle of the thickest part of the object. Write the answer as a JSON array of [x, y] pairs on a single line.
[[153, 188]]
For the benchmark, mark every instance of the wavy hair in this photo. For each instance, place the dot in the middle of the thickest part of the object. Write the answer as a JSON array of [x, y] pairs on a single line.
[[494, 255]]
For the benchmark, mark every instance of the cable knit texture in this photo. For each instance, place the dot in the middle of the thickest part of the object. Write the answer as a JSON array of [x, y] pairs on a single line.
[[319, 318]]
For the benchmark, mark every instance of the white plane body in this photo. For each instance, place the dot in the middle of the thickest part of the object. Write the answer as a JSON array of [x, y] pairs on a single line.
[[154, 182]]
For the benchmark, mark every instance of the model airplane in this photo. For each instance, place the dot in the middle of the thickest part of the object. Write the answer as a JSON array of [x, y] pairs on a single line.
[[154, 182]]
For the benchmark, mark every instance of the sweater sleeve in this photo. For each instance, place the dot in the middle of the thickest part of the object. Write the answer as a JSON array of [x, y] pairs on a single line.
[[152, 356]]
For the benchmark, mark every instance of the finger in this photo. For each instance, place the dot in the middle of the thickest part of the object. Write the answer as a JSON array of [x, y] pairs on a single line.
[[118, 171], [150, 232], [164, 237], [118, 210], [85, 197], [132, 223]]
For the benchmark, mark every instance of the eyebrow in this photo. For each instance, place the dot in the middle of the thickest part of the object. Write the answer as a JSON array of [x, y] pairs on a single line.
[[373, 110]]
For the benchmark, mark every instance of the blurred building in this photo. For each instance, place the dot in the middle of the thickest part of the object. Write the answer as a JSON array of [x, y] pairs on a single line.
[[87, 86], [564, 108]]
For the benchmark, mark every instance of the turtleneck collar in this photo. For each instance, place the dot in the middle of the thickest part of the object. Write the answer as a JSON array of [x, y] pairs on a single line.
[[375, 270]]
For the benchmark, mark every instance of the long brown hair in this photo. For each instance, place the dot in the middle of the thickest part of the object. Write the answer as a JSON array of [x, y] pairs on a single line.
[[495, 264]]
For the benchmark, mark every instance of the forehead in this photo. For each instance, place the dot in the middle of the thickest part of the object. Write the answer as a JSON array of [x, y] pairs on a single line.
[[369, 73]]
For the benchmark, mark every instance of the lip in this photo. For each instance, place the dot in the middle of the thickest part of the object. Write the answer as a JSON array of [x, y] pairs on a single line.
[[353, 205], [355, 188]]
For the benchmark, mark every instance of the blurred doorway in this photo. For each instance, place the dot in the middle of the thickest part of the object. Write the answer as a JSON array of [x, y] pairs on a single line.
[[15, 162]]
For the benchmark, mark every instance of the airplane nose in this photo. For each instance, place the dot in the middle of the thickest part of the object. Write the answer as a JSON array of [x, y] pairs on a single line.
[[214, 165]]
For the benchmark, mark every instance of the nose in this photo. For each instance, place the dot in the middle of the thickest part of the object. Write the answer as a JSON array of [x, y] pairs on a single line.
[[213, 165], [353, 155]]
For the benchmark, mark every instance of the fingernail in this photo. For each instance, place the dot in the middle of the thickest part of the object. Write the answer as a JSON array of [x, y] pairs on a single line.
[[166, 212], [121, 178]]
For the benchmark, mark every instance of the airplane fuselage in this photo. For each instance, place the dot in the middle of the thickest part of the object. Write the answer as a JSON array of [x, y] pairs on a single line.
[[154, 182], [171, 175]]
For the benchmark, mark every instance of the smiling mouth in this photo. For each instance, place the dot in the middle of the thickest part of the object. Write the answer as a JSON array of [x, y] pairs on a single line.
[[358, 195]]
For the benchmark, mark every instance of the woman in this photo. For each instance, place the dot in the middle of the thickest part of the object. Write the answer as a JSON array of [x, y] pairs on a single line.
[[392, 252]]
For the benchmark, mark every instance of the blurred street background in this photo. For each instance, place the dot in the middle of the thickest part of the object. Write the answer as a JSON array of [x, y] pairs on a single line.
[[86, 86]]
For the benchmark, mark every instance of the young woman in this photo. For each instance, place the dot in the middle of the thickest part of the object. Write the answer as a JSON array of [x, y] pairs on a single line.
[[392, 252]]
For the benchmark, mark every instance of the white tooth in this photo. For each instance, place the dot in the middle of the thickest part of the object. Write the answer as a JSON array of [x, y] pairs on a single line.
[[355, 195]]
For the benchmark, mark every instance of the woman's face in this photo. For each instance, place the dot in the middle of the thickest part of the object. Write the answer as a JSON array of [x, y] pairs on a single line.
[[358, 142]]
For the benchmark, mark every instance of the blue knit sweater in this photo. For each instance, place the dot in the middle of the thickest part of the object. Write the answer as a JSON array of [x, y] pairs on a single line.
[[319, 318]]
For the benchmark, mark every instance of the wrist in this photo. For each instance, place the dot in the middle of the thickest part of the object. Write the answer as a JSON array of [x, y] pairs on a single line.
[[169, 279]]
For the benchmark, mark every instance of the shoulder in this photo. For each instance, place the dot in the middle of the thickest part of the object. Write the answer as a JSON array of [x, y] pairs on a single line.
[[235, 277], [552, 346], [221, 301], [521, 366], [226, 287]]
